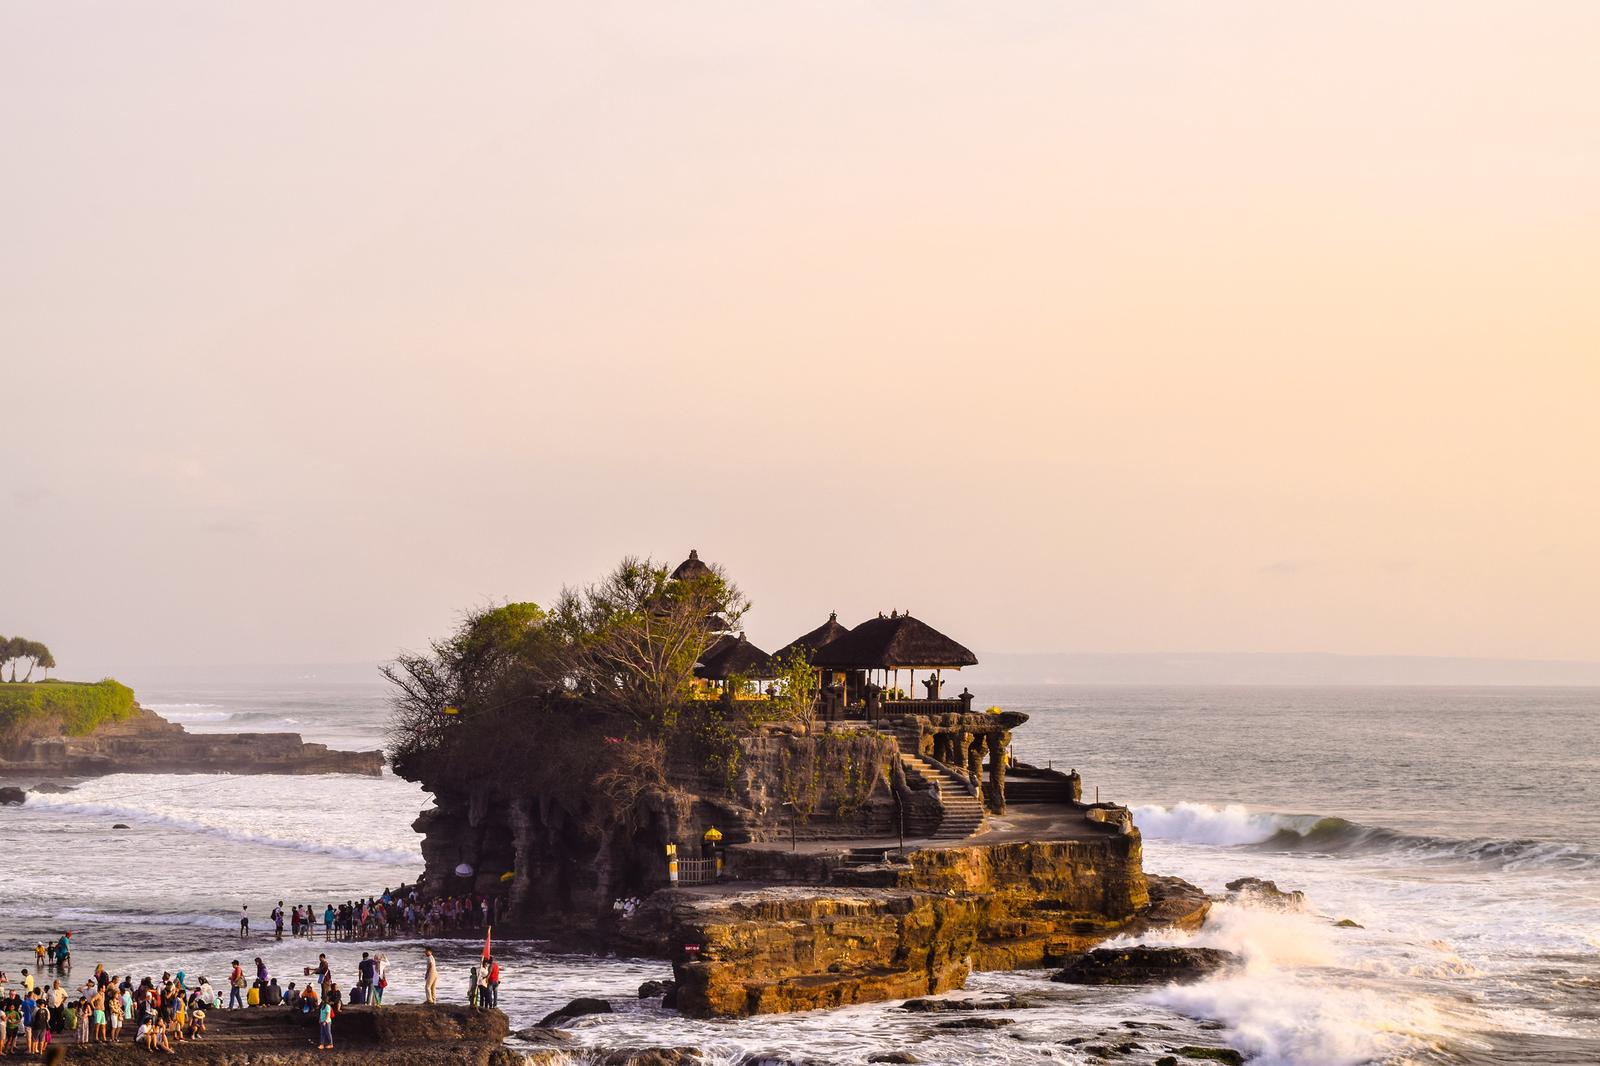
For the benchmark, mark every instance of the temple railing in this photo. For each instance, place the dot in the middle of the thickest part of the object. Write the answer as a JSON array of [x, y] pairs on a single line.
[[900, 707]]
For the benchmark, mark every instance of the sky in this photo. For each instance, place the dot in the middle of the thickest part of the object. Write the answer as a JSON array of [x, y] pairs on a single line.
[[1070, 327]]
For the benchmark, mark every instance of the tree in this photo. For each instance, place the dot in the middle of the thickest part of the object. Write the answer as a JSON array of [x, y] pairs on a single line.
[[630, 642], [15, 648], [37, 655], [475, 670]]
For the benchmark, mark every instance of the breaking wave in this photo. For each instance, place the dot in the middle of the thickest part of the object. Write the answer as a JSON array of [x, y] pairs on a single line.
[[1236, 826]]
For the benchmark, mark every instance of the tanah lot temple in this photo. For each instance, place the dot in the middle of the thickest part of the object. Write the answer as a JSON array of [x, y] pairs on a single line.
[[887, 674], [874, 841]]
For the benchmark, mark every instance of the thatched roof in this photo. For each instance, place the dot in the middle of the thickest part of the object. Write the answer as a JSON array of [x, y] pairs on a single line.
[[825, 634], [690, 567], [731, 655], [893, 643]]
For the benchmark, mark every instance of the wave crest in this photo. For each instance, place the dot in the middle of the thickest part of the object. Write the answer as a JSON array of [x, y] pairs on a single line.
[[1234, 825]]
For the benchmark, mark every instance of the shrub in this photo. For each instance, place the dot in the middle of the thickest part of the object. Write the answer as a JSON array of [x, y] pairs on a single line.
[[74, 708]]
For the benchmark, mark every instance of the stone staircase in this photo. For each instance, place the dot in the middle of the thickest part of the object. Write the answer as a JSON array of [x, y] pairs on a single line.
[[963, 812]]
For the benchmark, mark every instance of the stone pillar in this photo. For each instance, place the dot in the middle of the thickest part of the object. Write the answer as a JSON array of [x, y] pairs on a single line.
[[997, 772], [974, 743]]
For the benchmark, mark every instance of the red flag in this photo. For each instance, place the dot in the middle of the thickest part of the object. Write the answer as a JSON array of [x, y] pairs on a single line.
[[487, 933]]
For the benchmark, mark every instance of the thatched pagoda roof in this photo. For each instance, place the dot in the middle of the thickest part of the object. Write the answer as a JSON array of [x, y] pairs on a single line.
[[823, 635], [690, 568], [731, 655], [893, 643]]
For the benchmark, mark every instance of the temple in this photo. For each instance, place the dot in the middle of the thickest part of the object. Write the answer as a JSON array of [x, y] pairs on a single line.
[[887, 674]]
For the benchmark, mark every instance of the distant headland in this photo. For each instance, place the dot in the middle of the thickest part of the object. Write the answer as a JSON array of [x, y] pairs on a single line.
[[88, 729]]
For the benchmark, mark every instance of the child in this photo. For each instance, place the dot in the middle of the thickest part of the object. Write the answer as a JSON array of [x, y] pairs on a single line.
[[83, 1019], [197, 1022], [13, 1022], [325, 1027]]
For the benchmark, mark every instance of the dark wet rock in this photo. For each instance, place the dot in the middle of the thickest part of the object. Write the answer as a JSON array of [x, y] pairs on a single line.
[[546, 1037], [770, 1059], [50, 788], [894, 1056], [1346, 923], [1075, 1041], [1225, 1055], [576, 1009], [651, 1056], [1128, 1047], [926, 1006], [121, 825], [652, 989], [1212, 1026], [1167, 1060], [1145, 966], [1266, 893], [976, 1023], [10, 795]]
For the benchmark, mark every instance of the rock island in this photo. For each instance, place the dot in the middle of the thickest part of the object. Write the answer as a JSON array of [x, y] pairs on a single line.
[[824, 825]]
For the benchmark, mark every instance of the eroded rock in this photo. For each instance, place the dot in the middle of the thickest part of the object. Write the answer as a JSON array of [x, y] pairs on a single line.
[[12, 796], [1225, 1055], [1145, 966], [578, 1008], [1266, 894], [933, 1006], [651, 1056]]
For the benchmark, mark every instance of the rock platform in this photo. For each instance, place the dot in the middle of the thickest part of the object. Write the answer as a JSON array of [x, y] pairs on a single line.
[[400, 1035]]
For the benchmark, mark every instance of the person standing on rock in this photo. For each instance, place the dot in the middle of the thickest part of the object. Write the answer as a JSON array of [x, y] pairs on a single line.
[[325, 1026], [277, 920], [236, 986], [491, 980], [244, 921], [430, 979]]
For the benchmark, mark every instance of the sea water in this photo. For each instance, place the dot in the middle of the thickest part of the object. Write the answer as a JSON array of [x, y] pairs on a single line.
[[1459, 828]]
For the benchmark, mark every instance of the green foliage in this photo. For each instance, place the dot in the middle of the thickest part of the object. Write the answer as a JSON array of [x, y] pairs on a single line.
[[794, 689], [42, 707], [844, 767], [579, 704]]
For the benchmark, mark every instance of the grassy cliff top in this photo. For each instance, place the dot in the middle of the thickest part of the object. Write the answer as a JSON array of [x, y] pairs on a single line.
[[41, 708]]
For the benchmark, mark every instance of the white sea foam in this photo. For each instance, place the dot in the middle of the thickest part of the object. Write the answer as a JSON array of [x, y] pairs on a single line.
[[81, 914], [276, 831]]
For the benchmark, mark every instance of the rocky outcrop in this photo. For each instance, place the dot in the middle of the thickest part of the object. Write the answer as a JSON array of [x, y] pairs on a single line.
[[1145, 966], [931, 922], [146, 743], [398, 1035], [1266, 894]]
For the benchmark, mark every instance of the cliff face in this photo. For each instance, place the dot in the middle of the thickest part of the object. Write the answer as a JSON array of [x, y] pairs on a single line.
[[567, 869], [920, 930], [146, 743]]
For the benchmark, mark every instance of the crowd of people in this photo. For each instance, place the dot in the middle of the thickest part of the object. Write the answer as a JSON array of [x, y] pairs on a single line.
[[397, 912], [159, 1014]]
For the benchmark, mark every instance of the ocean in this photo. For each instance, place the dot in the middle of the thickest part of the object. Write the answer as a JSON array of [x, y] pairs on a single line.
[[1459, 828]]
